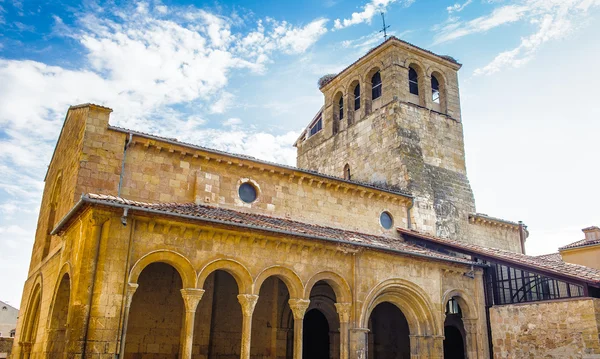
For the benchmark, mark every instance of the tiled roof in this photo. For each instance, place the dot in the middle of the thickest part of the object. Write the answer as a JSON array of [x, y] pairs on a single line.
[[393, 190], [224, 216], [390, 39], [551, 257], [574, 271], [581, 243]]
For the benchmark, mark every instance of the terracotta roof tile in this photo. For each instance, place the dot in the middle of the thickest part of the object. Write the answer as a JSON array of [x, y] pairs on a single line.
[[551, 257], [581, 243], [575, 271], [267, 223]]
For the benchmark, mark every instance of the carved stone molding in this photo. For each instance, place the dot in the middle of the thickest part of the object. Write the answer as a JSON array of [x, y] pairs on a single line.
[[248, 302], [191, 297], [131, 288], [298, 307]]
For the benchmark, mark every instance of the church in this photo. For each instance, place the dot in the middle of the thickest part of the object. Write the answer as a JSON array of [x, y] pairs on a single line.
[[148, 247]]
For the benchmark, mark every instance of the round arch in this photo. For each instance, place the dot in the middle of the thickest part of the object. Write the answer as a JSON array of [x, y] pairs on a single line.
[[32, 313], [410, 299], [237, 270], [288, 276], [464, 301], [178, 261], [340, 287], [64, 270], [433, 70], [418, 65]]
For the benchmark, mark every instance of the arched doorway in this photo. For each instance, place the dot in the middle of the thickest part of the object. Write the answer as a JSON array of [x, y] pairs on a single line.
[[58, 322], [315, 340], [454, 331], [32, 318], [321, 325], [272, 322], [388, 333], [156, 314], [218, 322]]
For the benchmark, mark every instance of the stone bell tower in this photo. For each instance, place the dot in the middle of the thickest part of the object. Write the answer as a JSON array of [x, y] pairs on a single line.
[[393, 119]]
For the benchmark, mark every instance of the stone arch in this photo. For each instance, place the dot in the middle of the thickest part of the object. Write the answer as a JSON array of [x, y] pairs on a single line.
[[58, 315], [339, 285], [287, 276], [64, 270], [368, 86], [178, 261], [466, 304], [32, 314], [51, 219], [335, 106], [422, 77], [237, 270], [443, 87], [410, 299], [352, 100]]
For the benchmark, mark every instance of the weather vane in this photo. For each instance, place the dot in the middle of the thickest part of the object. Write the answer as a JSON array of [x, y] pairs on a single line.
[[384, 30]]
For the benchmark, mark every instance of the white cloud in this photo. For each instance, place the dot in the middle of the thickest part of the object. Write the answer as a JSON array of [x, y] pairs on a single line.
[[223, 103], [232, 122], [458, 7], [298, 40], [555, 19], [454, 29], [371, 9]]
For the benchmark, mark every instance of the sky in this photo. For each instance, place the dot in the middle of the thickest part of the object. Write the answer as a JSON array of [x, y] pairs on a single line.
[[241, 76]]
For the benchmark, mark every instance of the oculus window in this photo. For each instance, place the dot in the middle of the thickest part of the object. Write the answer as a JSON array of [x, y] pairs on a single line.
[[386, 220], [247, 192]]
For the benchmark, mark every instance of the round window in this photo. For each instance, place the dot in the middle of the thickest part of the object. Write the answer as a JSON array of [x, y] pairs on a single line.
[[386, 220], [247, 192]]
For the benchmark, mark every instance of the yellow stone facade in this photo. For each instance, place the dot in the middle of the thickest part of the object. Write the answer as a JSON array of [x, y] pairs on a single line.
[[109, 280]]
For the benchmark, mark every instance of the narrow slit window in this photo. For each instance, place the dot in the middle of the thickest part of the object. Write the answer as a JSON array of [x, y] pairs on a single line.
[[435, 89], [357, 97], [347, 175], [341, 108], [376, 83], [413, 81]]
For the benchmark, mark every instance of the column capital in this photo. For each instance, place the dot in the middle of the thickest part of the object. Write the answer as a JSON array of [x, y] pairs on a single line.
[[470, 325], [191, 297], [131, 288], [299, 307], [248, 302], [344, 310], [25, 346]]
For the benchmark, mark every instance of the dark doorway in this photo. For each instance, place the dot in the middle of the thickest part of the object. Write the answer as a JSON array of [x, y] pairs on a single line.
[[454, 347], [389, 333], [315, 340]]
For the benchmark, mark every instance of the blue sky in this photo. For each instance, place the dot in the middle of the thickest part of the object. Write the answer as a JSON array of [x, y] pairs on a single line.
[[242, 76]]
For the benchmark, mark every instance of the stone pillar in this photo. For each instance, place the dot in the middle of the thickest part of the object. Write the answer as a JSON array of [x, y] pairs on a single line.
[[358, 343], [426, 346], [471, 338], [191, 297], [25, 350], [344, 310], [131, 288], [298, 307], [248, 302]]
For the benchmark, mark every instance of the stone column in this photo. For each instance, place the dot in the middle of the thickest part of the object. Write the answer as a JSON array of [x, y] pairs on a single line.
[[358, 343], [25, 350], [471, 338], [191, 297], [298, 307], [426, 346], [131, 288], [344, 310], [248, 302]]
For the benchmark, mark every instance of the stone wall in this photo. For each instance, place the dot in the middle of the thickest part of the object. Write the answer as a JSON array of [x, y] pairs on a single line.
[[156, 171], [405, 146], [558, 329], [489, 235], [5, 347]]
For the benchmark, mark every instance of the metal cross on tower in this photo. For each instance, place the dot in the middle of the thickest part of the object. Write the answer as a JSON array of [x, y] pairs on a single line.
[[384, 30]]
